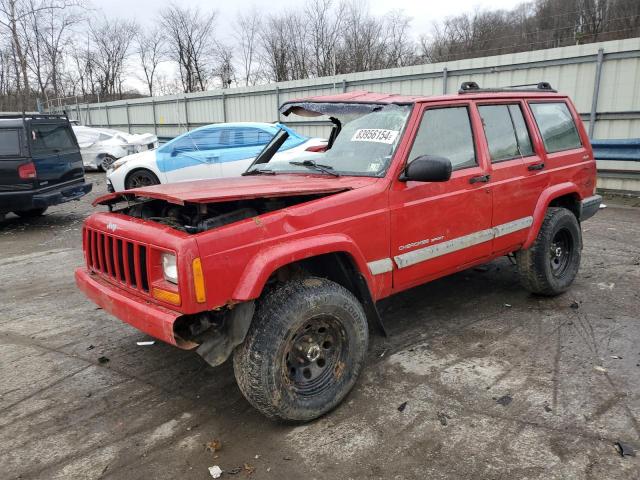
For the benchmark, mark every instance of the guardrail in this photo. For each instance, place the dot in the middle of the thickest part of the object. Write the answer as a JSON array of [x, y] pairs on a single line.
[[618, 163]]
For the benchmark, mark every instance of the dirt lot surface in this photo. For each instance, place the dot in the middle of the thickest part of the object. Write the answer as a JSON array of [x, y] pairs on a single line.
[[497, 383]]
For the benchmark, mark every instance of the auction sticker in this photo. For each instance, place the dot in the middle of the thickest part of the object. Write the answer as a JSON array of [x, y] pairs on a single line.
[[379, 135]]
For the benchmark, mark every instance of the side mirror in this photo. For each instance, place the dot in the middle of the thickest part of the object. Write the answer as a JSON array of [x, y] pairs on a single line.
[[427, 168]]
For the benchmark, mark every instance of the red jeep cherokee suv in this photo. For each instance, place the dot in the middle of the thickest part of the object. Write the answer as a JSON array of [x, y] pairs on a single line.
[[282, 267]]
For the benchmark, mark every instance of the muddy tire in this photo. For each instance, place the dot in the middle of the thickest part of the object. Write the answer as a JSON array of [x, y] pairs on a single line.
[[33, 213], [304, 350], [140, 178], [551, 264]]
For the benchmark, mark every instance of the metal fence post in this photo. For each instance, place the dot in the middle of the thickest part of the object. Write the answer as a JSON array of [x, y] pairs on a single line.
[[128, 122], [224, 107], [153, 110], [89, 115], [344, 85], [106, 112], [186, 113], [596, 91], [277, 103], [445, 75]]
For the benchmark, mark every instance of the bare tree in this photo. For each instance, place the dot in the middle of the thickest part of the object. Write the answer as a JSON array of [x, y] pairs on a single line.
[[150, 48], [112, 39], [190, 44], [246, 33]]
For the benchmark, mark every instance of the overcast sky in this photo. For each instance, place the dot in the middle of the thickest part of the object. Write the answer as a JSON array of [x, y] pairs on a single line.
[[422, 12]]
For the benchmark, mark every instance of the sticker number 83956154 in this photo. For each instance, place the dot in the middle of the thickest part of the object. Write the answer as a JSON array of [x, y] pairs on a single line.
[[379, 135]]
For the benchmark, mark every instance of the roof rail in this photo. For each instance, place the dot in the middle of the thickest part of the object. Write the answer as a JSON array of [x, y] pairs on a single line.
[[28, 115], [473, 87]]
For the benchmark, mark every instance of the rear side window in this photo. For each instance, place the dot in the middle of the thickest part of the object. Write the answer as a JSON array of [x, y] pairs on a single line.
[[506, 132], [556, 125], [9, 142], [446, 132], [249, 137], [51, 137]]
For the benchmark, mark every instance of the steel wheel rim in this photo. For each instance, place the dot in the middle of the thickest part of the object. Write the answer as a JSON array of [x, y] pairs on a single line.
[[313, 355], [560, 252]]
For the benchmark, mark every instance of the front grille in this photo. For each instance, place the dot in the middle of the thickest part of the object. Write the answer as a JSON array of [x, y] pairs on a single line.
[[121, 260]]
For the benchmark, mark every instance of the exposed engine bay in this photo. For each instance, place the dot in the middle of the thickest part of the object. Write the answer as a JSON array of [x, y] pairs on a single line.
[[200, 217]]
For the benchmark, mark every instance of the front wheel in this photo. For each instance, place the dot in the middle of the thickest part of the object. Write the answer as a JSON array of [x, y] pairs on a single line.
[[304, 350], [140, 178], [107, 161], [551, 264]]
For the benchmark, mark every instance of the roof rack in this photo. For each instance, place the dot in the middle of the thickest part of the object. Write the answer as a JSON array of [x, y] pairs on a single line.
[[473, 87], [31, 115]]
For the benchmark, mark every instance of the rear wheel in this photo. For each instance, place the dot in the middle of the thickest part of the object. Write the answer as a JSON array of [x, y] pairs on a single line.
[[106, 162], [304, 350], [551, 264], [140, 178], [34, 212]]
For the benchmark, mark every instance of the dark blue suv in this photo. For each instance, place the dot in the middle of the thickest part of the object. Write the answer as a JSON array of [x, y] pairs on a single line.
[[40, 164]]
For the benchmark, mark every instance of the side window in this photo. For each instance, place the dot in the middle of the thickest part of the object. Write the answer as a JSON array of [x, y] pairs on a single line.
[[556, 125], [9, 142], [197, 140], [506, 132], [446, 132]]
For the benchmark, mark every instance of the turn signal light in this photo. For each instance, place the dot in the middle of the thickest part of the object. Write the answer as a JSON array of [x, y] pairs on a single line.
[[27, 171], [166, 296], [198, 280]]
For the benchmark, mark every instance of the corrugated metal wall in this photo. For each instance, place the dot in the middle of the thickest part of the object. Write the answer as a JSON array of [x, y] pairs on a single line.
[[571, 70]]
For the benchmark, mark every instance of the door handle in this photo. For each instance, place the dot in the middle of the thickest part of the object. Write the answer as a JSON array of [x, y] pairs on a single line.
[[536, 166], [480, 179]]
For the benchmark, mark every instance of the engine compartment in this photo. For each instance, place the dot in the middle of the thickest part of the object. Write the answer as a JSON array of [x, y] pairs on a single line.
[[199, 217]]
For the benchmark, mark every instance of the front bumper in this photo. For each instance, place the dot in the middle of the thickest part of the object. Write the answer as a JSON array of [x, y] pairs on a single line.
[[589, 206], [31, 199], [147, 317]]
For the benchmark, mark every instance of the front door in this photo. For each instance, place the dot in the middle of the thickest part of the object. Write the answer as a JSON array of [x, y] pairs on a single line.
[[439, 227], [193, 156]]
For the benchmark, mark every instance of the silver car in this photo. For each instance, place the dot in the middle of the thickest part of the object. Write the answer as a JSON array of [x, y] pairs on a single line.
[[100, 147]]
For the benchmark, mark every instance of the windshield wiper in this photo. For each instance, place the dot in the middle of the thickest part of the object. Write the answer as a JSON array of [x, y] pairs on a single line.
[[316, 166], [259, 171]]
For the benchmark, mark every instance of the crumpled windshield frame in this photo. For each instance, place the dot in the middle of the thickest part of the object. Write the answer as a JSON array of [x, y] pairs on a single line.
[[379, 163]]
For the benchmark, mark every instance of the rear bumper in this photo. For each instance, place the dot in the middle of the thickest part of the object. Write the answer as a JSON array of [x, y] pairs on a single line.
[[143, 315], [31, 199], [589, 206]]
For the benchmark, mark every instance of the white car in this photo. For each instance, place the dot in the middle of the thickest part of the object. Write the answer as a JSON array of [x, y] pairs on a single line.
[[100, 147], [213, 151]]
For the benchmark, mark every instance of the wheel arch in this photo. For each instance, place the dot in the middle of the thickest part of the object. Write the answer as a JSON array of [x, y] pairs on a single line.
[[564, 195], [335, 257]]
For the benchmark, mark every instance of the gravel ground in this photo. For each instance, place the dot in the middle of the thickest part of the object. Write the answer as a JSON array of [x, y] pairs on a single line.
[[496, 383]]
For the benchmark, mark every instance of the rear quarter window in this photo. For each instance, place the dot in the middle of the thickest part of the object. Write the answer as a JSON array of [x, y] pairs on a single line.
[[556, 126], [9, 142], [50, 137]]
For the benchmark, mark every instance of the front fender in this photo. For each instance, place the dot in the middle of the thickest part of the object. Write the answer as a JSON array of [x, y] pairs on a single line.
[[544, 200], [269, 259]]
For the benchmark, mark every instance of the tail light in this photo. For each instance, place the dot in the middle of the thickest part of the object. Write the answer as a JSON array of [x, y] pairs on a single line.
[[316, 148], [27, 171]]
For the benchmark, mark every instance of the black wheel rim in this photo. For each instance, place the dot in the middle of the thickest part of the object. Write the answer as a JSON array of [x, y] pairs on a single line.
[[315, 355], [560, 252], [138, 180]]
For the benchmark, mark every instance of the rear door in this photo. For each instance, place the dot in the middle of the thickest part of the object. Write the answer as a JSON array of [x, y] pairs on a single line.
[[244, 143], [517, 175], [55, 152], [13, 154]]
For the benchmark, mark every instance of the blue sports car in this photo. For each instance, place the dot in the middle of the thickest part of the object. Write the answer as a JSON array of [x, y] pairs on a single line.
[[212, 151]]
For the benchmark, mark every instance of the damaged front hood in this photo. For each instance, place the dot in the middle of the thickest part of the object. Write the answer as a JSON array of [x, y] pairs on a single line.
[[238, 188]]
